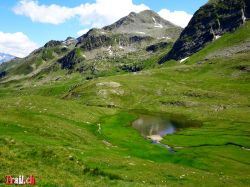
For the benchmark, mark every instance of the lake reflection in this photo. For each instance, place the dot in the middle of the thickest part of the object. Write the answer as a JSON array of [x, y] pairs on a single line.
[[153, 127]]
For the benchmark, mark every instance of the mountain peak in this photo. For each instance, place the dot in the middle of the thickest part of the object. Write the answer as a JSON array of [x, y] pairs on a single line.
[[148, 12], [132, 14], [69, 38], [143, 13], [53, 43], [146, 22], [6, 57]]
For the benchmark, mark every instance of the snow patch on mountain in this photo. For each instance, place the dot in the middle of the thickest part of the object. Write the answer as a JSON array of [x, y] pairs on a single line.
[[157, 25]]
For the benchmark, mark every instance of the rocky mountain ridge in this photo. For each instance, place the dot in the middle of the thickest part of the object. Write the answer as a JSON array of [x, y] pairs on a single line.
[[130, 33], [209, 23], [125, 45]]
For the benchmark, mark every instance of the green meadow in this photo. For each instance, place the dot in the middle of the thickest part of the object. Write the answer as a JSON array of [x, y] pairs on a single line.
[[77, 132]]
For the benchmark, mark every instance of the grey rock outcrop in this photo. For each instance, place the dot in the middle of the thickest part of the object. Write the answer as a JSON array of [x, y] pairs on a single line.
[[210, 22]]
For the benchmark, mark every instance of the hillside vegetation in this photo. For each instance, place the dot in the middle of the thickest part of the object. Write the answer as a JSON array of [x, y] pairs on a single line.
[[77, 132]]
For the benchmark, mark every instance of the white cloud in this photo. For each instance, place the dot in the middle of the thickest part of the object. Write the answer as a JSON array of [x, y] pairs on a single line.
[[180, 18], [17, 44], [53, 14], [97, 14], [82, 32]]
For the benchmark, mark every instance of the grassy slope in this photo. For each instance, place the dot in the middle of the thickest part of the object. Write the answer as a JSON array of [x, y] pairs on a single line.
[[51, 131]]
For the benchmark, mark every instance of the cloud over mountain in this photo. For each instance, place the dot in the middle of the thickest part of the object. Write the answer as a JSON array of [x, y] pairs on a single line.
[[17, 44], [180, 18], [97, 14]]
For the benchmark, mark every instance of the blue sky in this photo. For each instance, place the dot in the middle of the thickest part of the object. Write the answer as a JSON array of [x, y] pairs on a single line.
[[38, 27]]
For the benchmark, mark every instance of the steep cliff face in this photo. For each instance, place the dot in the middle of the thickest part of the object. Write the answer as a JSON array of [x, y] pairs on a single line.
[[209, 23], [72, 58]]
